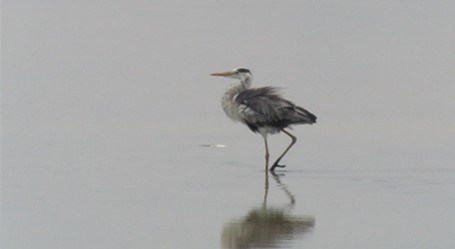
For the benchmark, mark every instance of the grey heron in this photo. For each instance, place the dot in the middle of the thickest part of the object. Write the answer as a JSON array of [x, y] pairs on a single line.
[[262, 109]]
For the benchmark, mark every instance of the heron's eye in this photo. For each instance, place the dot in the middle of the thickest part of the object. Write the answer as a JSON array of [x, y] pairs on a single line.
[[243, 70]]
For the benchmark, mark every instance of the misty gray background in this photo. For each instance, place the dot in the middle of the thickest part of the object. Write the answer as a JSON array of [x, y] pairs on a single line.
[[105, 105]]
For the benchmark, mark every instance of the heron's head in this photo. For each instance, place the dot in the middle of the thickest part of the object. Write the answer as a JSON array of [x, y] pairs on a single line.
[[242, 74]]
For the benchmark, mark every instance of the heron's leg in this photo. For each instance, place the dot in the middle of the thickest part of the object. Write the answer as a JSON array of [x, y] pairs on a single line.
[[264, 203], [267, 155], [275, 164]]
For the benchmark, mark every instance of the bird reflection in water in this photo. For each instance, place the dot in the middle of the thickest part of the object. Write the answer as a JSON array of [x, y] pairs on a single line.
[[267, 226]]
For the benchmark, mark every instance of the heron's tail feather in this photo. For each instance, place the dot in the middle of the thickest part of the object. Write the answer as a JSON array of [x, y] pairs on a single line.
[[304, 116]]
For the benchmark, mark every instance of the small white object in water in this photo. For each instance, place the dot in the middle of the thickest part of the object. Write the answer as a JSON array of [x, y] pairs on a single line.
[[214, 145]]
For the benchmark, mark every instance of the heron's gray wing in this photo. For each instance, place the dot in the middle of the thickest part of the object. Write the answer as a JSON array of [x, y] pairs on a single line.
[[265, 107], [262, 106]]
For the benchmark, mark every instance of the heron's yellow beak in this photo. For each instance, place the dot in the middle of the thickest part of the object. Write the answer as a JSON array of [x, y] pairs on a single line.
[[227, 73]]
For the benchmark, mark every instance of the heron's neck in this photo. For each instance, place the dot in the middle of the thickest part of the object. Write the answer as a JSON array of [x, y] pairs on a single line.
[[228, 101], [246, 83], [237, 88]]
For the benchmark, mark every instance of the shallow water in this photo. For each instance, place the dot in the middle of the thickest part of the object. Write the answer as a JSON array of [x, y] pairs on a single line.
[[108, 117], [201, 197]]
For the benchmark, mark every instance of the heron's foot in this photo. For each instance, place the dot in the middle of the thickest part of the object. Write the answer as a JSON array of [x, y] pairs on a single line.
[[276, 165]]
